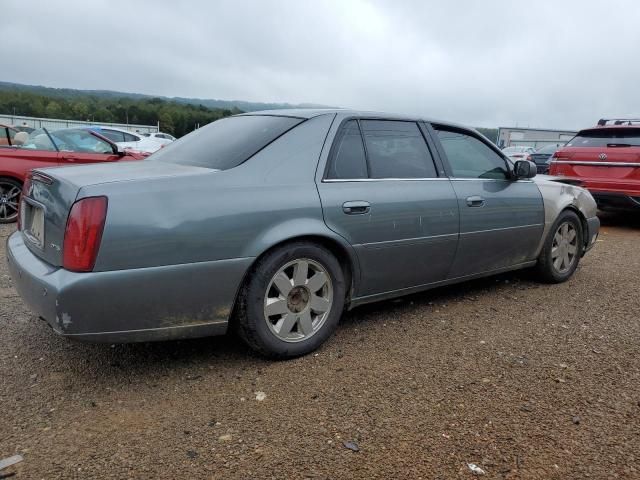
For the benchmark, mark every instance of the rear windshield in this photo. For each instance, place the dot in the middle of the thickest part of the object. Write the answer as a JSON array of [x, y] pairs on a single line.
[[225, 143], [606, 136]]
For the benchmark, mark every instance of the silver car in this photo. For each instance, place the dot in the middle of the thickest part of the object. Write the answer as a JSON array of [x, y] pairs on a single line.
[[272, 223]]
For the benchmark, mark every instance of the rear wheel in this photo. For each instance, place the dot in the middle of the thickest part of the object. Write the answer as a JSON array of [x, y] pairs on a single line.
[[10, 190], [562, 249], [291, 301]]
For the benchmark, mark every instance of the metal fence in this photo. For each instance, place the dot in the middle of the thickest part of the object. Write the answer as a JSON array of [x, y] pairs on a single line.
[[55, 123]]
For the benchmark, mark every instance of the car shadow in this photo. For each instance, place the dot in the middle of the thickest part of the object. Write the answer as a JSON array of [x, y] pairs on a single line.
[[627, 220], [191, 358]]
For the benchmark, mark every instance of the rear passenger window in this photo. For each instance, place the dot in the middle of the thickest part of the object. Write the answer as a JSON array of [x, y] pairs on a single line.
[[396, 149], [349, 161], [469, 157], [130, 138], [112, 135]]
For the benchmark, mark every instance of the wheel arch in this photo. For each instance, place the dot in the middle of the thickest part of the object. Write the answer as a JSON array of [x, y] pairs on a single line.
[[324, 237], [583, 221], [8, 176]]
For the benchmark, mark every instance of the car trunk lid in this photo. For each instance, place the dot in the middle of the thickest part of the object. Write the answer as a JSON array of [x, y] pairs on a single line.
[[610, 168], [50, 194]]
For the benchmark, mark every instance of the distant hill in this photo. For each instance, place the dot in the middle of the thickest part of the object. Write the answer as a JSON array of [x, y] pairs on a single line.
[[69, 93], [178, 115]]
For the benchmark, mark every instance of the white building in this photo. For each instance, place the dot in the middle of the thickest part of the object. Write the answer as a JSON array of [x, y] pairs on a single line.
[[532, 137]]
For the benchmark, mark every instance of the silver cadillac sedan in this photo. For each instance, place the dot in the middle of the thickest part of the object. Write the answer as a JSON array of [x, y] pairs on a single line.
[[271, 224]]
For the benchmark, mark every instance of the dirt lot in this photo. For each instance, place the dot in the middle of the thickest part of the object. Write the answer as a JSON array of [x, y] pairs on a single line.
[[524, 380]]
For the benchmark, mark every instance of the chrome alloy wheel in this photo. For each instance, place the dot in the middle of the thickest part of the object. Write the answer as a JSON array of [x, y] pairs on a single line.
[[9, 197], [298, 300], [564, 247]]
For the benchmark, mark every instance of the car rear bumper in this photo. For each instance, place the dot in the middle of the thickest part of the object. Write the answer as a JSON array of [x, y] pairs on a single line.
[[616, 201], [593, 229], [136, 305]]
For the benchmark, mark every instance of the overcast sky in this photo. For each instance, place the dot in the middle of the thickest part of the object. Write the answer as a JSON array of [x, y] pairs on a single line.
[[560, 64]]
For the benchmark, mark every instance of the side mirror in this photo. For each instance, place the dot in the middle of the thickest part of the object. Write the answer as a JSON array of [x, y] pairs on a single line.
[[120, 151], [524, 169]]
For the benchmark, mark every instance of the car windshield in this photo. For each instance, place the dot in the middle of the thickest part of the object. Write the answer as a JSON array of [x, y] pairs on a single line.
[[226, 143], [510, 150], [550, 149], [67, 140], [606, 136]]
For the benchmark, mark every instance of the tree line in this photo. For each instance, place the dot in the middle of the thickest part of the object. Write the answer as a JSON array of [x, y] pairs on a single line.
[[175, 118]]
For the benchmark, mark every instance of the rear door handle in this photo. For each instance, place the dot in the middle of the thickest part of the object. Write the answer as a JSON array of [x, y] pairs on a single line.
[[358, 207], [475, 201]]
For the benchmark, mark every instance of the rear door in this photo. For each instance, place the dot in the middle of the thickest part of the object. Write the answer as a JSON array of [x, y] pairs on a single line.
[[501, 220], [382, 192]]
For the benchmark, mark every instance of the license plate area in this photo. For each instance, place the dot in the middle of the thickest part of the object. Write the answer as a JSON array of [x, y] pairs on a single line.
[[33, 223]]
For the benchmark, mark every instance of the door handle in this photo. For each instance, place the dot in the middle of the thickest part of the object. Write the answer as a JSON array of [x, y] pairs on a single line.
[[475, 201], [356, 207]]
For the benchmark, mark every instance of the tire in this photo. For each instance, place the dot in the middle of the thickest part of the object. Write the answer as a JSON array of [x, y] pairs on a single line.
[[10, 191], [553, 266], [285, 320]]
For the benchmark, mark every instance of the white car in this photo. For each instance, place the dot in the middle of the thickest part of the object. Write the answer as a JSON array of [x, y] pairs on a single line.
[[162, 138], [519, 152], [127, 139]]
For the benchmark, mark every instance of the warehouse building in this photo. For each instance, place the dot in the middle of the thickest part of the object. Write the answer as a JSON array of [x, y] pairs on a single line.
[[532, 137]]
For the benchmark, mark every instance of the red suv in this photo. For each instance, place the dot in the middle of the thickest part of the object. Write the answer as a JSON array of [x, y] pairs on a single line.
[[606, 160]]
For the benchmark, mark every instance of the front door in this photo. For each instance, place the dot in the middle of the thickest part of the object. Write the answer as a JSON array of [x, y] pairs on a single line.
[[501, 219], [382, 193]]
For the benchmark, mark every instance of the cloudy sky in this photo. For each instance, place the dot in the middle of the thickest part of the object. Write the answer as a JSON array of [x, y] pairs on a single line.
[[560, 64]]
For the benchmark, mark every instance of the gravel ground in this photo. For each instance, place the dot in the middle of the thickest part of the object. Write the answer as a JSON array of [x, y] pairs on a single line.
[[524, 380]]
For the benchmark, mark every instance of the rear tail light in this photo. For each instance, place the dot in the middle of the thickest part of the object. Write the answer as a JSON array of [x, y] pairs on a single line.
[[26, 186], [528, 157], [83, 234]]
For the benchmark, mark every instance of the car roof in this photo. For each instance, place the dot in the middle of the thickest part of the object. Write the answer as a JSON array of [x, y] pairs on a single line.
[[609, 127], [314, 112], [100, 127]]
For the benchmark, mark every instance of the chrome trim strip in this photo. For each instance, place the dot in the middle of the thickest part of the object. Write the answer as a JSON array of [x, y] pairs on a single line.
[[401, 241], [599, 164], [405, 240], [503, 228], [345, 180]]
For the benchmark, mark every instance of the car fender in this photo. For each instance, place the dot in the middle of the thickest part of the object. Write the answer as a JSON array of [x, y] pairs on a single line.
[[558, 197]]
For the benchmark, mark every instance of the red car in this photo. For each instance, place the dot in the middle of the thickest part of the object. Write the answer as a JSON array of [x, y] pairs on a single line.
[[42, 148], [606, 161]]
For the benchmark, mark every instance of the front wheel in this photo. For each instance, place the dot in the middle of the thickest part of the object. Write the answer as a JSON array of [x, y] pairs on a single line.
[[562, 249], [10, 191], [291, 301]]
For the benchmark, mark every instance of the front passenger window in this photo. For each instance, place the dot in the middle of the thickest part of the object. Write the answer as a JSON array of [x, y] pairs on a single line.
[[469, 157]]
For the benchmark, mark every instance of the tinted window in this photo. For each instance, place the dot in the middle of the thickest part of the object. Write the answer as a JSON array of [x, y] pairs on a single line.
[[348, 154], [225, 143], [130, 138], [396, 150], [471, 158], [606, 136], [112, 135]]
